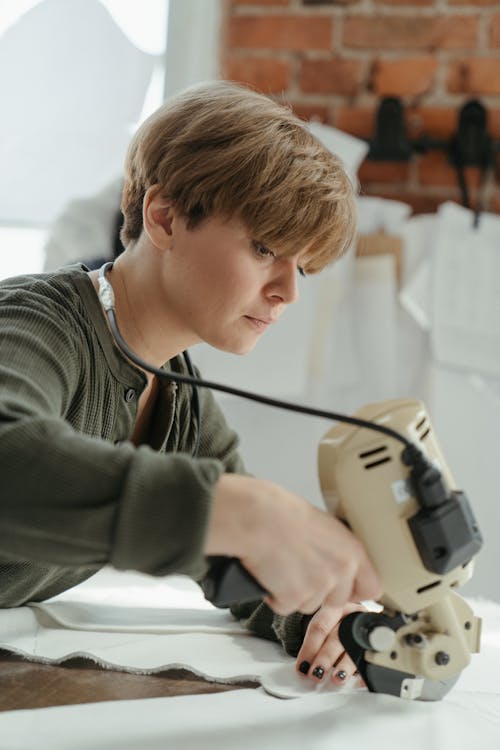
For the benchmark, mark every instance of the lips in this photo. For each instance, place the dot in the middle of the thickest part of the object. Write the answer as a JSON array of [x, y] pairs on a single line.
[[260, 323], [267, 319]]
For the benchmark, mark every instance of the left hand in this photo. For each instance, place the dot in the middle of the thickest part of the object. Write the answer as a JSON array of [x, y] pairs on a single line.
[[322, 653]]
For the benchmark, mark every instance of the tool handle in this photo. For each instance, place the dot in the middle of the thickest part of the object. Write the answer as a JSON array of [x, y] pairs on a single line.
[[228, 583]]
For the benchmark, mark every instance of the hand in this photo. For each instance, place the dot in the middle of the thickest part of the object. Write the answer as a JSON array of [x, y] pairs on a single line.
[[303, 556], [322, 653]]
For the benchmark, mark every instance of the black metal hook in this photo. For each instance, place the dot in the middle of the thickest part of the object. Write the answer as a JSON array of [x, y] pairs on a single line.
[[391, 142], [470, 146]]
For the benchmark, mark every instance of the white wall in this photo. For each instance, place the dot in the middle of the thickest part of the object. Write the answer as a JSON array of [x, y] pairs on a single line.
[[192, 44]]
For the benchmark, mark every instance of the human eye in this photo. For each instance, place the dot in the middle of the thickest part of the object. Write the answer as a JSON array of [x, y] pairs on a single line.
[[301, 272], [262, 251]]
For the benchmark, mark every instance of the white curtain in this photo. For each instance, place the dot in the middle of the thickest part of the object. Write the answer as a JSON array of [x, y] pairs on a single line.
[[72, 89]]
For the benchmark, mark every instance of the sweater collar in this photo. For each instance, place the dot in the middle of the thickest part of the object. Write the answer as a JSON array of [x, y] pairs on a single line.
[[120, 366]]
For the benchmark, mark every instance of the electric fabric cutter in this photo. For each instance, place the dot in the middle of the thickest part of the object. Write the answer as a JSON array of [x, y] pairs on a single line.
[[421, 536]]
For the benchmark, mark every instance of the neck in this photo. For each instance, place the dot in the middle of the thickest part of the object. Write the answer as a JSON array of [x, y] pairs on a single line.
[[142, 311]]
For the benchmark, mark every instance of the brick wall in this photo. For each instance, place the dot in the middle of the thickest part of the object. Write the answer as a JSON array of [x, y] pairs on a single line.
[[333, 60]]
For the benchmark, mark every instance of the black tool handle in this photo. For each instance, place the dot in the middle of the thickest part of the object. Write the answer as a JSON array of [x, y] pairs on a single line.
[[228, 583]]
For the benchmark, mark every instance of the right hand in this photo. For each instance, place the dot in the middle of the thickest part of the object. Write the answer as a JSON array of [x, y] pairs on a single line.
[[303, 556]]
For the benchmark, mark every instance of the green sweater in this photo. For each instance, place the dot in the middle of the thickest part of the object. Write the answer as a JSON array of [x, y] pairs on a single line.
[[75, 494]]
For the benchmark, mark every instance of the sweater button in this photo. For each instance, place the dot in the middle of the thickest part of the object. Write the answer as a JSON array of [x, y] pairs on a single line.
[[129, 395]]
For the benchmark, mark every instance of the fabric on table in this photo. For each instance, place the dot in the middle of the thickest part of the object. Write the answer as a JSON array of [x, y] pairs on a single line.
[[214, 645], [139, 624], [182, 631]]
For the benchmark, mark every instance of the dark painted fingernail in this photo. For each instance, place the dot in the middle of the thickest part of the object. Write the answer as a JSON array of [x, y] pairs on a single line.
[[318, 672], [341, 674], [304, 667]]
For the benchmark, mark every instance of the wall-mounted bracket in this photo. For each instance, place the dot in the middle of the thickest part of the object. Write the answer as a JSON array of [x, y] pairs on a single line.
[[390, 142], [470, 146]]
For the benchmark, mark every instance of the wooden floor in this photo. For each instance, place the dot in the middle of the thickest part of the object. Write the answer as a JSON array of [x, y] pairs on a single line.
[[25, 684]]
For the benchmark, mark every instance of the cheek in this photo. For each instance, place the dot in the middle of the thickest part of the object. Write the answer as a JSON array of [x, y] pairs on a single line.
[[225, 286]]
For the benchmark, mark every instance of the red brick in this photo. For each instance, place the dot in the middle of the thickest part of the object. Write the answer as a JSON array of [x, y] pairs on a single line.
[[493, 123], [441, 123], [264, 73], [312, 3], [476, 75], [494, 203], [473, 2], [334, 76], [405, 76], [294, 33], [495, 31], [435, 169], [406, 32], [415, 3], [383, 171], [260, 2], [358, 121], [421, 202], [436, 122], [317, 112]]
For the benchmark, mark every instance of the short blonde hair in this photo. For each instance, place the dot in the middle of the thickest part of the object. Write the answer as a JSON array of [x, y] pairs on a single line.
[[222, 149]]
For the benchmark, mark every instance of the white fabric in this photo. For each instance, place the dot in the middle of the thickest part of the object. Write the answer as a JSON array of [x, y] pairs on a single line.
[[462, 398], [381, 215], [151, 639], [250, 719], [466, 291], [169, 625], [350, 149]]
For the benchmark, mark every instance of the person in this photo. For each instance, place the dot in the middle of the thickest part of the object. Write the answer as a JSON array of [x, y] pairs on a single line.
[[227, 198]]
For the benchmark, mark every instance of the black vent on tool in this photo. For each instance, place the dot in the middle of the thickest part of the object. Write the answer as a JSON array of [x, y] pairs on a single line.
[[375, 457], [429, 586], [423, 428]]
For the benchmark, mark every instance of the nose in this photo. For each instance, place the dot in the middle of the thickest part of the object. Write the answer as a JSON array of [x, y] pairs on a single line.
[[283, 285]]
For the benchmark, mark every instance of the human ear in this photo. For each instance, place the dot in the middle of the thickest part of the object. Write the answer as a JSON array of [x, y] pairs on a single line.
[[157, 217]]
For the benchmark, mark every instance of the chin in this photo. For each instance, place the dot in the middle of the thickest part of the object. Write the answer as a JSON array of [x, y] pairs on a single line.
[[239, 349]]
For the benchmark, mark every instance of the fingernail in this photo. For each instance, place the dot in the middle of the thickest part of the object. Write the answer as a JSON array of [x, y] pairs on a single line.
[[341, 674], [318, 672], [304, 667]]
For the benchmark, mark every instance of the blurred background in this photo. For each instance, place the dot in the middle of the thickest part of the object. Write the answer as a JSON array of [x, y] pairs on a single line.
[[407, 92]]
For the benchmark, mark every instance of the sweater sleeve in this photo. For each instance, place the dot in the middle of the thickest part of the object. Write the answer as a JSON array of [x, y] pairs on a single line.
[[256, 616], [71, 499], [288, 630]]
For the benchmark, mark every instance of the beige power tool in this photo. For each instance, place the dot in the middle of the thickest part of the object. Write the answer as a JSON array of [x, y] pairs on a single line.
[[421, 536]]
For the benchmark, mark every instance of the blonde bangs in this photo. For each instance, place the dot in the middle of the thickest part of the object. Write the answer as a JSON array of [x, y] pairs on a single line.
[[221, 149]]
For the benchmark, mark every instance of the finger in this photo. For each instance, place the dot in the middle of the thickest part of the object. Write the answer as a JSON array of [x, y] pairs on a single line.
[[319, 628], [321, 647], [332, 657], [323, 627], [343, 670]]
